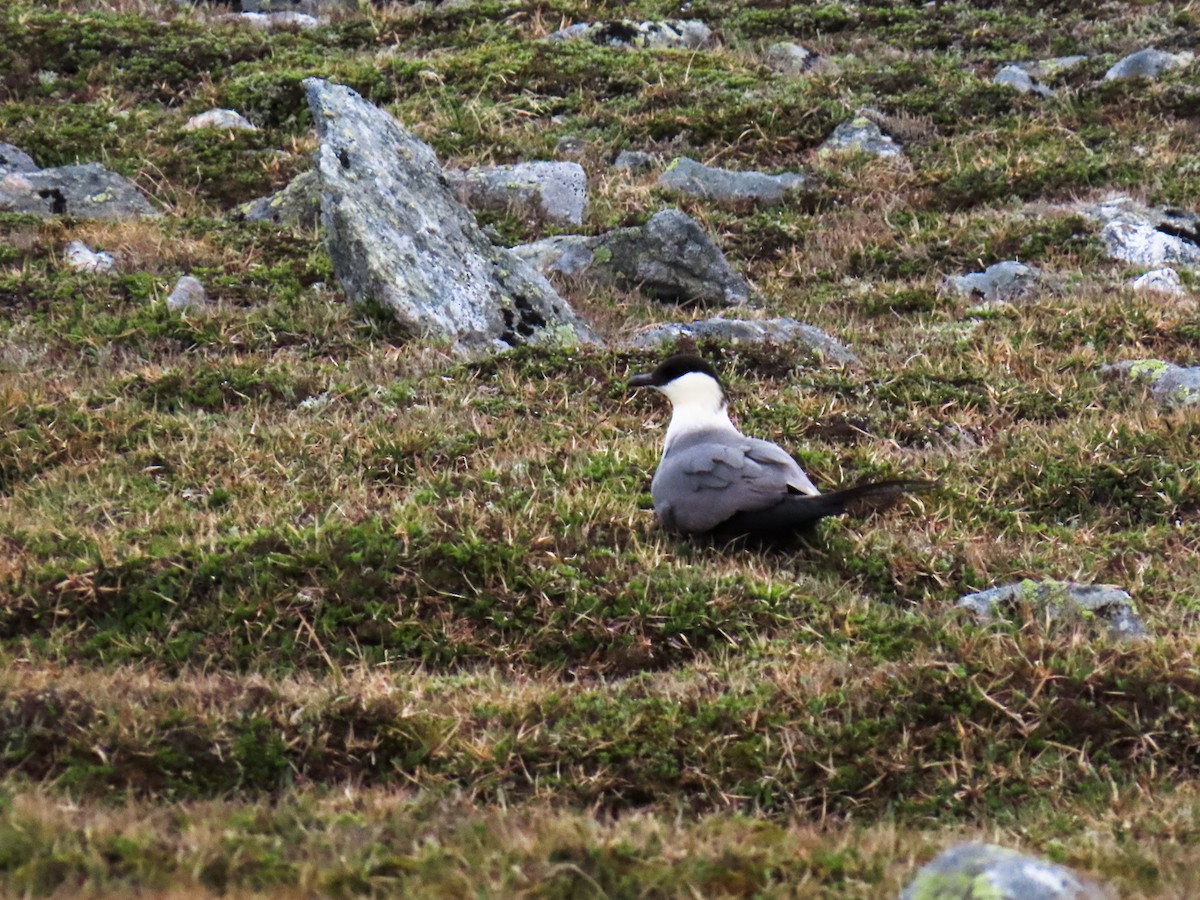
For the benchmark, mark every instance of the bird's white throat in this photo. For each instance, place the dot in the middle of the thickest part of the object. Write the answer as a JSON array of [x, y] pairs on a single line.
[[697, 404]]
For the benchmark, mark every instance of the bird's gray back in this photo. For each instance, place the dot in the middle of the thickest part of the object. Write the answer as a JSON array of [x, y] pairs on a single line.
[[709, 476]]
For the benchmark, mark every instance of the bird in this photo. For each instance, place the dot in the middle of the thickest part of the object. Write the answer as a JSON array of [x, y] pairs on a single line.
[[713, 480]]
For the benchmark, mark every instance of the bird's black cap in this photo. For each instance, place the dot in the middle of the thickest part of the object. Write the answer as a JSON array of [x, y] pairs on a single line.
[[674, 367]]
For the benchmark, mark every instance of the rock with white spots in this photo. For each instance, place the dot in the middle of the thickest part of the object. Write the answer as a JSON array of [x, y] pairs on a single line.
[[221, 119], [989, 872], [1148, 63], [82, 258], [188, 295], [1059, 600], [861, 135], [1160, 281]]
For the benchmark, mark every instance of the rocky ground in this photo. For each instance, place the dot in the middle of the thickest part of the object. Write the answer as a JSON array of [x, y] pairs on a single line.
[[306, 591]]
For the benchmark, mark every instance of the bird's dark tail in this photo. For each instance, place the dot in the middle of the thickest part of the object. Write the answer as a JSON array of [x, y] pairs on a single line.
[[799, 513]]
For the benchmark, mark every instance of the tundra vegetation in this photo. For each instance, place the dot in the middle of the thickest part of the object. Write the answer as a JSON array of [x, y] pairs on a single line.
[[293, 605]]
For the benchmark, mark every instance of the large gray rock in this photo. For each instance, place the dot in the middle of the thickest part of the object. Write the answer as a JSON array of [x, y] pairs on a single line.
[[553, 191], [398, 237], [297, 204], [669, 258], [686, 176], [1149, 63], [88, 191], [14, 159], [1002, 282], [1148, 236], [988, 872], [1058, 600], [671, 33], [778, 331], [1145, 245], [1169, 384]]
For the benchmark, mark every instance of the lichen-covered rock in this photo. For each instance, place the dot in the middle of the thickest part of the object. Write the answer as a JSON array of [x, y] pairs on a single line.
[[1169, 384], [1148, 63], [861, 135], [778, 331], [14, 159], [670, 33], [1145, 245], [788, 58], [989, 872], [670, 258], [1002, 282], [188, 295], [553, 191], [1059, 600], [298, 204], [1160, 281], [1048, 68], [87, 191], [82, 258], [686, 176], [397, 236], [222, 119]]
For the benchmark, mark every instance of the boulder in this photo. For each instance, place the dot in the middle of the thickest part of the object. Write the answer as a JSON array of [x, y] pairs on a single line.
[[1170, 385], [686, 176], [989, 872], [1149, 236], [1148, 63], [553, 191], [398, 237], [1059, 600], [87, 191], [671, 33], [670, 258], [777, 331]]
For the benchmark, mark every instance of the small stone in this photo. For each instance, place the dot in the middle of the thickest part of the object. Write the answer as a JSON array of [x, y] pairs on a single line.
[[1160, 281], [698, 180], [1059, 599], [1149, 63], [1048, 68], [1170, 385], [1002, 282], [989, 872], [779, 331], [274, 19], [554, 191], [633, 160], [82, 258], [685, 33], [223, 119], [188, 295], [570, 145], [788, 58], [1020, 80], [861, 135]]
